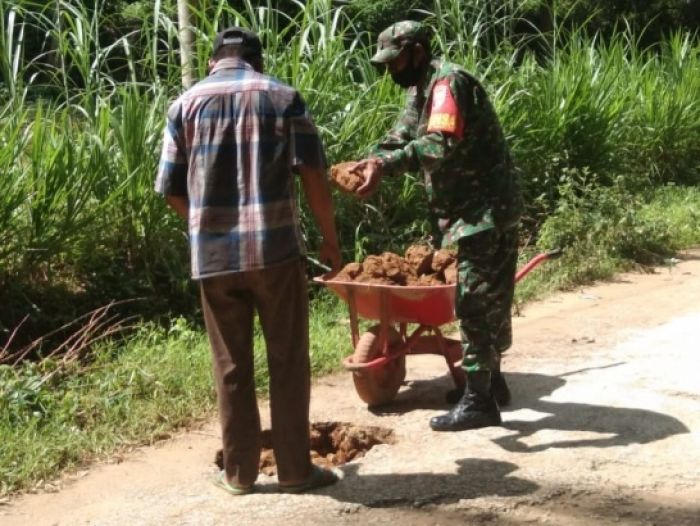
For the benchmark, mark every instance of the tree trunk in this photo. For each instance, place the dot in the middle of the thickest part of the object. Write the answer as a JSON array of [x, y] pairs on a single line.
[[185, 30]]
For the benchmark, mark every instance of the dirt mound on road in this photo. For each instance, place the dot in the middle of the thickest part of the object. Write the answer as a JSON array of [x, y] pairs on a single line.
[[332, 444]]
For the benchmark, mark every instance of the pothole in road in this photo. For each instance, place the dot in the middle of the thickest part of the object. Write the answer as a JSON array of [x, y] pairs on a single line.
[[332, 444]]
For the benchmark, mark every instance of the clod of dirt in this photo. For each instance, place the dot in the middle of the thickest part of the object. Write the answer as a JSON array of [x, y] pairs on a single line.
[[450, 273], [442, 259], [387, 269], [427, 280], [396, 268], [332, 444], [373, 266], [349, 272], [347, 180], [420, 257]]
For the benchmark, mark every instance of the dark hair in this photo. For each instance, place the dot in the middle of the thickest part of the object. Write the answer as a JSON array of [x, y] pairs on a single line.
[[248, 55]]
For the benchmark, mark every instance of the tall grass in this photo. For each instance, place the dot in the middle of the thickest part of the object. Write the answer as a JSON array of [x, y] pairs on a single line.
[[606, 108]]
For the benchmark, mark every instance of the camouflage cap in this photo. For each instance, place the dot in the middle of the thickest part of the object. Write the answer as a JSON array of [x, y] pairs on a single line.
[[392, 40]]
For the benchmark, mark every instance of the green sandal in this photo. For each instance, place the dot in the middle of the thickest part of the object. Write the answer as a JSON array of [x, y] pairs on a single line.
[[221, 483], [319, 478]]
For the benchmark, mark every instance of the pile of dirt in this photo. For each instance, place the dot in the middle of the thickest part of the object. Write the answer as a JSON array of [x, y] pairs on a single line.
[[346, 180], [332, 444], [420, 266]]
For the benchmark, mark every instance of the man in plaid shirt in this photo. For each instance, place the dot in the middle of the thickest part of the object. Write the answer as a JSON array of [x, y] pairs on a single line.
[[232, 146]]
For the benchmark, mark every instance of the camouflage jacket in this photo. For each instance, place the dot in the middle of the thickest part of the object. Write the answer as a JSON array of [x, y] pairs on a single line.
[[450, 131]]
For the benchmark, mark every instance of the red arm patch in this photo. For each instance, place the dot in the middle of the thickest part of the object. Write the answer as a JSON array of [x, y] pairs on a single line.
[[444, 112]]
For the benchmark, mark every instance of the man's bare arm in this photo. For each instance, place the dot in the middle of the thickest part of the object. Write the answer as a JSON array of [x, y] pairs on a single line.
[[318, 196]]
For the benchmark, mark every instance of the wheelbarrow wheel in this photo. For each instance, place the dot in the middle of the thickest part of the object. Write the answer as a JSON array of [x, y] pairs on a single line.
[[378, 385]]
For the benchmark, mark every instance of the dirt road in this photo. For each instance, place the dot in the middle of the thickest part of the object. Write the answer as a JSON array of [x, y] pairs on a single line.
[[604, 429]]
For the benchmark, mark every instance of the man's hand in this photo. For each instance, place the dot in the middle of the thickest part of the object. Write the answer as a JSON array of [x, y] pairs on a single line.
[[329, 254], [180, 204], [372, 171]]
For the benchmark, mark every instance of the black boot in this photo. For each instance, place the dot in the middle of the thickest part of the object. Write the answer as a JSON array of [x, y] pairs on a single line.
[[477, 408], [453, 395], [499, 390]]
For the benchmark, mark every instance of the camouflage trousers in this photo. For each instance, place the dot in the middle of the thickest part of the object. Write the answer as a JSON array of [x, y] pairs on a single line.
[[486, 265]]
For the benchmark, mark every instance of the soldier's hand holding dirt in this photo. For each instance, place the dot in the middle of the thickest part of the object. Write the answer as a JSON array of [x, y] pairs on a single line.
[[371, 170]]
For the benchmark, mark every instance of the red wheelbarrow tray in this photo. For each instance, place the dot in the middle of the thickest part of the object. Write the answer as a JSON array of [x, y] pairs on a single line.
[[426, 305]]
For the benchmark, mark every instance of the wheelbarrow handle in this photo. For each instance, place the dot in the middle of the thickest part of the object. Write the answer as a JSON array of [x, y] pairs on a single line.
[[539, 258], [318, 264]]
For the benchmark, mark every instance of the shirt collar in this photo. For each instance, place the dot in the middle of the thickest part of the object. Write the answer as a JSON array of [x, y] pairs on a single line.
[[431, 76], [231, 63]]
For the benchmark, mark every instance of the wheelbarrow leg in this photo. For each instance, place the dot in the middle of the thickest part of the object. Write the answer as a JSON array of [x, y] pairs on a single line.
[[354, 325], [452, 351], [384, 322]]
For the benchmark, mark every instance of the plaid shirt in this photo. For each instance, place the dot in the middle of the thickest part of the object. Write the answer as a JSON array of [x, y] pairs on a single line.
[[230, 145]]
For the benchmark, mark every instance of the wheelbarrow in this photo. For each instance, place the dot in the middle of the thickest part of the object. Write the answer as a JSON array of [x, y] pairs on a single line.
[[378, 364]]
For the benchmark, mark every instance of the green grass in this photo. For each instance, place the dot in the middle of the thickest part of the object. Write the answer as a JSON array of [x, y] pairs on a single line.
[[55, 418]]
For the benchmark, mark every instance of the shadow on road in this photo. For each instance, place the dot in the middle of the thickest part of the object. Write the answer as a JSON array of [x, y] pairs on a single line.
[[474, 478], [417, 394], [622, 425]]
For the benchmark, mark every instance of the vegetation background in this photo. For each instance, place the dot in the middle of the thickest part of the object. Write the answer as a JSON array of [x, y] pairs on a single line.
[[100, 342]]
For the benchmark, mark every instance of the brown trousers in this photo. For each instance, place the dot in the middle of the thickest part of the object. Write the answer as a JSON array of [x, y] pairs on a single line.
[[279, 294]]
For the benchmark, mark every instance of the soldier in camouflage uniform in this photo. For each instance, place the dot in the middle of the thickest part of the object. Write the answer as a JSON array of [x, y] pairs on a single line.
[[450, 132]]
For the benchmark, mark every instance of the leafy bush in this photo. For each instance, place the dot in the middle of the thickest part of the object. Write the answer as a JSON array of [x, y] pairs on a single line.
[[653, 19], [607, 221]]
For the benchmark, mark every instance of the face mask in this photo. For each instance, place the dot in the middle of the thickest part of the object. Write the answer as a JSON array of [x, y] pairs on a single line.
[[408, 76]]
